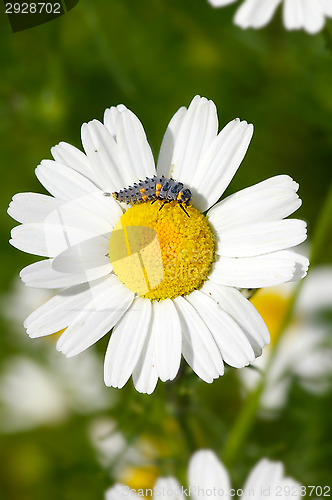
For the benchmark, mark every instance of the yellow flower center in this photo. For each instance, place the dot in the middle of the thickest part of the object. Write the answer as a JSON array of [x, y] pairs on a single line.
[[139, 478], [160, 254]]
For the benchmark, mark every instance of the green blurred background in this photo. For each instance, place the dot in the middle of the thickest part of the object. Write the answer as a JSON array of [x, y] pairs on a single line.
[[154, 56]]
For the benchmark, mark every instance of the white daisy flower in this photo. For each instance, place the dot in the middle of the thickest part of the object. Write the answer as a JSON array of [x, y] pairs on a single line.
[[207, 477], [303, 351], [164, 279], [297, 14]]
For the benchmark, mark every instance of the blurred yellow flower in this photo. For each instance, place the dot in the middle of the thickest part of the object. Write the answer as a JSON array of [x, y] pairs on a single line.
[[303, 352]]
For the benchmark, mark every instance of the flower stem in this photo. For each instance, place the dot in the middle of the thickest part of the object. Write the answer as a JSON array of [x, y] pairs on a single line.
[[246, 419], [242, 425], [322, 229]]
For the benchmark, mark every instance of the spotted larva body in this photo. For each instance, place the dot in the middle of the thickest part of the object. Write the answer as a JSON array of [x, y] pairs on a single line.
[[153, 189]]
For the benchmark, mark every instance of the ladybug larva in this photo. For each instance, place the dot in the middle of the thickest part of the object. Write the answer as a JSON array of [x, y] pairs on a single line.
[[153, 189]]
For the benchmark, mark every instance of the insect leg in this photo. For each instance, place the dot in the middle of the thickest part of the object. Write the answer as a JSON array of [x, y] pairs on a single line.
[[182, 208], [166, 201]]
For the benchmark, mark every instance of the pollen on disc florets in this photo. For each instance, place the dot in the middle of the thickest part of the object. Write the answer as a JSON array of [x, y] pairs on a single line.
[[160, 254]]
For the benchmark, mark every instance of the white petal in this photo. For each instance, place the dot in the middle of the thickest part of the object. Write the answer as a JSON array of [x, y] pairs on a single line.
[[71, 157], [207, 473], [259, 271], [111, 116], [313, 17], [46, 240], [170, 486], [242, 311], [199, 348], [289, 484], [84, 257], [108, 304], [219, 163], [164, 166], [262, 238], [168, 339], [272, 199], [120, 492], [265, 478], [198, 128], [63, 182], [69, 224], [327, 7], [136, 154], [232, 342], [255, 13], [124, 156], [42, 275], [264, 475], [32, 207], [82, 214], [100, 148], [126, 343], [100, 211], [293, 14], [145, 375], [301, 265], [59, 311], [305, 14], [95, 210]]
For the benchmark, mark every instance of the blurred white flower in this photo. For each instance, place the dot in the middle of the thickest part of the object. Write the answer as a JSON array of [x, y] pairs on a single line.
[[303, 351], [15, 305], [297, 14], [110, 444], [45, 391], [132, 462], [21, 301], [33, 393], [207, 477], [29, 396]]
